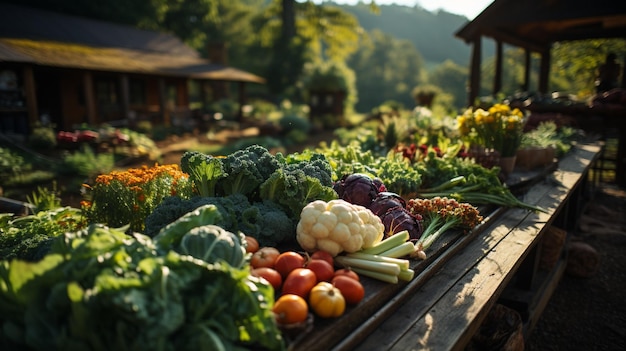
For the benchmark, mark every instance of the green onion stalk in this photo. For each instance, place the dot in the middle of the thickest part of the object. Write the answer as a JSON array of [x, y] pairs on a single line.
[[481, 193]]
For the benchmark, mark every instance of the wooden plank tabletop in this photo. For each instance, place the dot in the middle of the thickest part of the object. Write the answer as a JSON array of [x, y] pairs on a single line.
[[445, 311]]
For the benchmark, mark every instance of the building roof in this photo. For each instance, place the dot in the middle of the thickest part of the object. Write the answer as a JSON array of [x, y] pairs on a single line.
[[536, 24], [45, 38]]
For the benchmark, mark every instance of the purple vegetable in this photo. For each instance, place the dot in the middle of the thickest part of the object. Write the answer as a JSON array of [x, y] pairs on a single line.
[[385, 201], [357, 188], [398, 219], [379, 185]]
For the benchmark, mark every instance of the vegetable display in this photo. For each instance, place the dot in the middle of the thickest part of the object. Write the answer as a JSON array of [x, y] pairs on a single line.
[[337, 226]]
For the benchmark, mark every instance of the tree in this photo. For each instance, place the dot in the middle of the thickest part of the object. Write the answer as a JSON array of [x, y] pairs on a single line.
[[386, 69], [452, 79]]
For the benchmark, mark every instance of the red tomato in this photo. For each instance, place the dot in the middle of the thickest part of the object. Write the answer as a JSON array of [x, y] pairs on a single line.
[[352, 290], [299, 282], [348, 273], [269, 274], [252, 245], [323, 270], [323, 255], [287, 262], [264, 257]]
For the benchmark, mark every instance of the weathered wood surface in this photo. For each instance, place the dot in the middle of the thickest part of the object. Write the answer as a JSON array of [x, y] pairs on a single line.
[[447, 309]]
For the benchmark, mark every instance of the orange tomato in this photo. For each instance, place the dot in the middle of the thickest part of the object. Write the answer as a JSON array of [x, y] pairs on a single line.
[[299, 282], [327, 301], [352, 290], [289, 309], [252, 245]]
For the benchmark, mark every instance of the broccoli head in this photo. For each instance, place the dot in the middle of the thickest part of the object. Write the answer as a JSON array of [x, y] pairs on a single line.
[[247, 169]]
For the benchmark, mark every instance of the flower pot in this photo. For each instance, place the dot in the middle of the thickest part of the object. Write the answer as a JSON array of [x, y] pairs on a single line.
[[507, 164], [483, 156], [534, 157]]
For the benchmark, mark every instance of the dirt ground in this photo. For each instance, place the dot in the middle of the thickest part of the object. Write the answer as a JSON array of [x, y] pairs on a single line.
[[590, 313]]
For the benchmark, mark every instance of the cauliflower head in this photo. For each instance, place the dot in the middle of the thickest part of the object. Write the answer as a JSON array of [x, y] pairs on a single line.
[[337, 226]]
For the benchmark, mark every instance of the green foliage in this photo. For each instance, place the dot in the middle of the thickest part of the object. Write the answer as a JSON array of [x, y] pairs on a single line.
[[293, 122], [452, 78], [227, 107], [42, 137], [387, 69], [86, 163], [45, 199], [29, 237], [11, 163]]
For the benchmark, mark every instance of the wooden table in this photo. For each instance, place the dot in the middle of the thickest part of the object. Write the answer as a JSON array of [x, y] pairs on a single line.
[[444, 305]]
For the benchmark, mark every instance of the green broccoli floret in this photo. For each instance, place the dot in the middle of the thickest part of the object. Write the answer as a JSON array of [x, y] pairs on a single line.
[[313, 164], [292, 189], [204, 171], [247, 169], [268, 223]]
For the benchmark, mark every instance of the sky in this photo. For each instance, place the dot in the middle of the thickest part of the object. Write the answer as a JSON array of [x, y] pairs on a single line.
[[467, 8]]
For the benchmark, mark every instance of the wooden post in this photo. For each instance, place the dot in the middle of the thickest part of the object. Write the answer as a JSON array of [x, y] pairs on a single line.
[[125, 95], [242, 101], [165, 115], [30, 93], [474, 87], [527, 69], [497, 77], [544, 71], [90, 99]]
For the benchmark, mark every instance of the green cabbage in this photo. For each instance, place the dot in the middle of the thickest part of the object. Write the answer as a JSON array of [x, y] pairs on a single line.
[[212, 243]]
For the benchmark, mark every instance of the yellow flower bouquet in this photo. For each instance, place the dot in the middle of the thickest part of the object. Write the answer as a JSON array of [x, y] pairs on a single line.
[[499, 128]]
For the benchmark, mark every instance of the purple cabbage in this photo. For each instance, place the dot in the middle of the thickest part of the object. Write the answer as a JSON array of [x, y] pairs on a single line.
[[385, 201], [357, 188], [397, 219]]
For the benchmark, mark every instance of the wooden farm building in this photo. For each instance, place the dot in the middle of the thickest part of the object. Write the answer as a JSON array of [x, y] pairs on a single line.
[[71, 70]]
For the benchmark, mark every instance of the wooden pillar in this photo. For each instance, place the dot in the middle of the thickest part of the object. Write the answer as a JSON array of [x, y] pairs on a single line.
[[497, 77], [242, 101], [30, 93], [163, 110], [125, 96], [90, 99], [474, 86], [527, 69], [544, 71]]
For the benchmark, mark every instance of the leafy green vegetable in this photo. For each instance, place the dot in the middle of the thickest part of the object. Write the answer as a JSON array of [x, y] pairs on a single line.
[[172, 234], [212, 244], [29, 237], [204, 171], [101, 289]]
